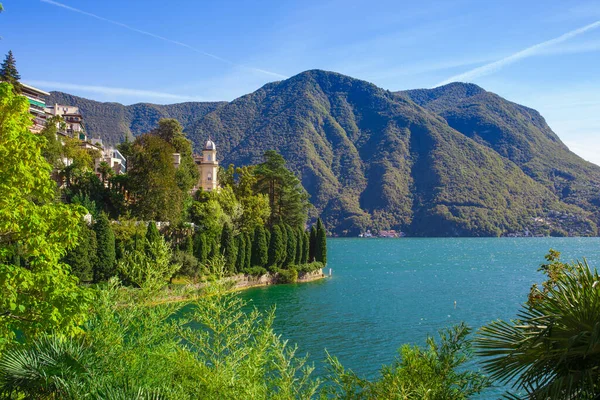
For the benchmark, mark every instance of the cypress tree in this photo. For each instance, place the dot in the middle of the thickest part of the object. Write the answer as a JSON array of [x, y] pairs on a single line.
[[312, 244], [305, 247], [290, 247], [9, 73], [187, 245], [299, 242], [200, 248], [277, 250], [241, 253], [82, 257], [228, 248], [321, 251], [105, 254], [260, 247], [152, 233], [248, 259]]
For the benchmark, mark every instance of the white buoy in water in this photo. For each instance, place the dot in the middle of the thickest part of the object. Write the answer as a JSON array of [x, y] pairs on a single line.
[[329, 271]]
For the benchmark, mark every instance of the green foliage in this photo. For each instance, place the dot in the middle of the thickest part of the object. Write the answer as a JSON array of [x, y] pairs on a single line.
[[9, 73], [260, 248], [106, 266], [277, 249], [255, 271], [312, 243], [82, 257], [228, 248], [248, 256], [312, 267], [37, 294], [190, 266], [240, 261], [299, 246], [288, 275], [152, 268], [290, 245], [152, 180], [434, 372], [152, 233], [305, 248], [552, 349], [321, 243], [52, 149], [201, 248]]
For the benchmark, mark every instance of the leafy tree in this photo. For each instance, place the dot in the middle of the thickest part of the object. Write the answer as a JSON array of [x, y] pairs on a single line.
[[82, 257], [37, 294], [312, 244], [171, 131], [288, 200], [228, 248], [9, 73], [434, 372], [551, 351], [152, 175], [277, 250], [152, 270], [321, 243], [52, 149], [201, 248], [209, 216], [260, 248], [106, 257]]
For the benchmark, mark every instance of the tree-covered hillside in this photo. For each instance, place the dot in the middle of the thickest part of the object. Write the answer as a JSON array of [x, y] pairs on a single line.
[[451, 161], [113, 121]]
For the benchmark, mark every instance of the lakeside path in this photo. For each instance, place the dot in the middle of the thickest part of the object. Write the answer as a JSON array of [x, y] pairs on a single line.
[[189, 292]]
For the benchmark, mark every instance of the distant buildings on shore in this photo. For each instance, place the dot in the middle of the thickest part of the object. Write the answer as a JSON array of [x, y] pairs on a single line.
[[382, 234]]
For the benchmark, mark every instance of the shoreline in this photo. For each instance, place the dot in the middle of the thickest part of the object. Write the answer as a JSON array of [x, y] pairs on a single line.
[[238, 283]]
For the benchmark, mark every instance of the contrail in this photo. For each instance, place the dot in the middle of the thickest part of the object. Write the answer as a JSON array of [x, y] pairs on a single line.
[[525, 53], [131, 28], [112, 90]]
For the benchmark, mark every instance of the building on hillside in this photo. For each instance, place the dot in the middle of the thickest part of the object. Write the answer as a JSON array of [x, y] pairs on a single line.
[[72, 119], [37, 106], [208, 167], [111, 156]]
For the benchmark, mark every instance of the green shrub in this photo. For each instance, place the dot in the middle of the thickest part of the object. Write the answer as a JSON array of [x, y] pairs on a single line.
[[287, 275], [310, 267], [255, 271]]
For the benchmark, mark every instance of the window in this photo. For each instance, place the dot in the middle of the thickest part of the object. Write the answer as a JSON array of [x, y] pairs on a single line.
[[209, 176], [209, 157]]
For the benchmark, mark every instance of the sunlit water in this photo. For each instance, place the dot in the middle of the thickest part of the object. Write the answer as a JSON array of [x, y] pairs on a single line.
[[386, 292]]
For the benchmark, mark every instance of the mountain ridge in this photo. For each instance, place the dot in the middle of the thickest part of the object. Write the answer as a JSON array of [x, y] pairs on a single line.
[[452, 161]]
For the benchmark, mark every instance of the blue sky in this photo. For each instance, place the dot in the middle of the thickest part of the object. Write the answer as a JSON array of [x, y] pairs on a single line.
[[543, 54]]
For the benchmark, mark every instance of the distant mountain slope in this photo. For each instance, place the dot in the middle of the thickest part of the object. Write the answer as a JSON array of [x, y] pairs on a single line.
[[113, 121], [451, 161], [517, 133]]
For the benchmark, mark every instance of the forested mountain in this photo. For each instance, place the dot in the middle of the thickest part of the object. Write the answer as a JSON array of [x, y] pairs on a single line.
[[113, 121], [451, 161]]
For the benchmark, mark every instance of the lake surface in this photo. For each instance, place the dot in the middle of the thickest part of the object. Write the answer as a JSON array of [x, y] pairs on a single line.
[[386, 292]]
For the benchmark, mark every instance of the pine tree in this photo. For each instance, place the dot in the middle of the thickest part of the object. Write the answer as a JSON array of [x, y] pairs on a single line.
[[241, 253], [277, 249], [9, 73], [312, 244], [200, 248], [290, 246], [260, 247], [305, 247], [248, 259], [321, 244], [105, 239], [152, 237], [228, 248]]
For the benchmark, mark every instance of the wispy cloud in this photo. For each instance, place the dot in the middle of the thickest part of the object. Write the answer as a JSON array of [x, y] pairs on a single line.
[[525, 53], [153, 35], [112, 91]]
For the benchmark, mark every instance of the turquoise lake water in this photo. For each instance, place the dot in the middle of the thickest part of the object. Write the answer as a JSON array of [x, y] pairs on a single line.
[[386, 292]]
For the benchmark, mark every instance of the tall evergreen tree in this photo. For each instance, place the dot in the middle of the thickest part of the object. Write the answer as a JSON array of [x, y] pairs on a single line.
[[312, 244], [187, 245], [241, 253], [260, 247], [152, 233], [290, 247], [305, 247], [228, 248], [321, 244], [82, 257], [9, 73], [201, 248], [106, 266], [248, 259], [299, 243], [277, 250]]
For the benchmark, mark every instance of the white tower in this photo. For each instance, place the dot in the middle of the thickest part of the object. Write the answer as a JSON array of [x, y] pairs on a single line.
[[209, 167]]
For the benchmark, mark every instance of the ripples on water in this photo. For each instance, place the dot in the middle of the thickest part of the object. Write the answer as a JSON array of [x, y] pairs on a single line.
[[386, 292]]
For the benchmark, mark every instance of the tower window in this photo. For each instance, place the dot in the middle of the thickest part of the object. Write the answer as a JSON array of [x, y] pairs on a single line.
[[209, 177], [209, 157]]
